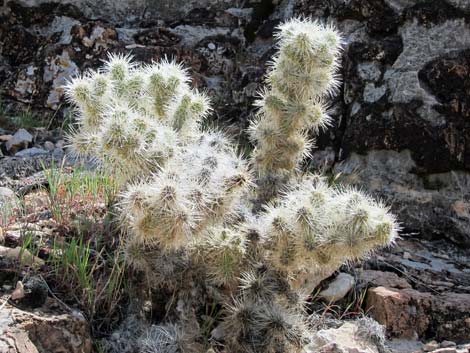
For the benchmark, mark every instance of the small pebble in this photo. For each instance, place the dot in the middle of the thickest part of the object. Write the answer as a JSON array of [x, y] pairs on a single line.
[[60, 144], [49, 146], [211, 46]]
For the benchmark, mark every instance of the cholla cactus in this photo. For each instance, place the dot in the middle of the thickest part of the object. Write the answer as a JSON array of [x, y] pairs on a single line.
[[187, 201]]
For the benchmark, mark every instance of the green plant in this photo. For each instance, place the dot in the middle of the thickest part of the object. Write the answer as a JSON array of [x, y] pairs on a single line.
[[203, 225], [92, 276], [77, 195]]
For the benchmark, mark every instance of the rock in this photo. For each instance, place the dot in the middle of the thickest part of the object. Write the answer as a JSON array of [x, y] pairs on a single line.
[[382, 279], [341, 340], [21, 139], [338, 288], [5, 138], [43, 331], [369, 71], [373, 93], [7, 196], [58, 70], [447, 344], [129, 11], [323, 160], [49, 146], [31, 152], [8, 202], [60, 144], [18, 293], [430, 346], [35, 292], [404, 312], [444, 350], [242, 13], [23, 256], [404, 345], [451, 316]]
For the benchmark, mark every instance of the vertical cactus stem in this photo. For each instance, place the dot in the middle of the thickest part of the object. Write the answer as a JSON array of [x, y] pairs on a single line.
[[301, 75]]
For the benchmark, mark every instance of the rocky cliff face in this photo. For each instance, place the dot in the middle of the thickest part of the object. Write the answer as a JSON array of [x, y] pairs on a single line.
[[402, 116]]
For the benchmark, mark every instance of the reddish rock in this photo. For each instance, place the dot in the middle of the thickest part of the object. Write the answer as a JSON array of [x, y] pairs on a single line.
[[404, 312]]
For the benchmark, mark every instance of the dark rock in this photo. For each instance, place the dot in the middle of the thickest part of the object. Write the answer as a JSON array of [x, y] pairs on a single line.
[[35, 292]]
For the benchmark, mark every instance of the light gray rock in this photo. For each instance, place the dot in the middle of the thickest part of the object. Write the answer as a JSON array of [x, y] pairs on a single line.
[[430, 346], [422, 44], [372, 93], [191, 35], [49, 146], [338, 288], [45, 330], [20, 140], [8, 201], [344, 339], [60, 24], [31, 152], [369, 71], [60, 144], [243, 13], [404, 345], [59, 69]]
